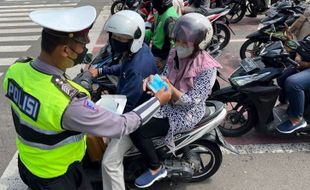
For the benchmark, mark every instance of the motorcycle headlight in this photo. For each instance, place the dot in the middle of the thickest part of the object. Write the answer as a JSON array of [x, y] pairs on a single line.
[[243, 80]]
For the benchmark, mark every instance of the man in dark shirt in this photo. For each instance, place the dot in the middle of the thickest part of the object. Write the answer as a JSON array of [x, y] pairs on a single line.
[[126, 33]]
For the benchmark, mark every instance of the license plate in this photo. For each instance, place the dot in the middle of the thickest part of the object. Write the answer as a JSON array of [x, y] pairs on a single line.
[[248, 64]]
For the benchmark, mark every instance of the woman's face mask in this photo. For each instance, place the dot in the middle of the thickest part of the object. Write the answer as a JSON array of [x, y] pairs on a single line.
[[184, 51]]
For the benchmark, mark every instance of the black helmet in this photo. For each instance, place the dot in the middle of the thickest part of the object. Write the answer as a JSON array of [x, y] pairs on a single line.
[[194, 28]]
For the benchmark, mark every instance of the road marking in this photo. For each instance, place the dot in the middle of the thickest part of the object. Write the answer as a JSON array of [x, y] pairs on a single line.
[[14, 48], [20, 30], [13, 14], [18, 24], [237, 40], [271, 148], [28, 10], [19, 38], [39, 5], [7, 61], [15, 18], [10, 178], [1, 74]]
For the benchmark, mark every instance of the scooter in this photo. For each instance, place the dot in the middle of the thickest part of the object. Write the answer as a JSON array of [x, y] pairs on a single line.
[[271, 28], [253, 95], [197, 153], [143, 7]]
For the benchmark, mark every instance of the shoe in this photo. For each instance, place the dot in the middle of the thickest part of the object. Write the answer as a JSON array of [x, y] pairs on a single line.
[[147, 179], [288, 127]]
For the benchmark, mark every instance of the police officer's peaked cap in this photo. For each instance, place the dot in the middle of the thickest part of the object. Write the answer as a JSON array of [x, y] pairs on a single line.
[[72, 23]]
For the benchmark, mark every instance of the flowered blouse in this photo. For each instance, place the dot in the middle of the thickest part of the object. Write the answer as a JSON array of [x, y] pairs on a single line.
[[184, 114]]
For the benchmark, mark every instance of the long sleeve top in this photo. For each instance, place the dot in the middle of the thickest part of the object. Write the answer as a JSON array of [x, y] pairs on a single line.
[[131, 73]]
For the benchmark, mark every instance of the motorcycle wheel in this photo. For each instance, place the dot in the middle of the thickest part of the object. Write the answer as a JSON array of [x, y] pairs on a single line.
[[237, 11], [117, 6], [239, 120], [210, 156], [251, 48], [223, 34]]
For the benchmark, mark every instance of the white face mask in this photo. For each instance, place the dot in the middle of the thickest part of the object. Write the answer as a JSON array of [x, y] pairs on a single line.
[[184, 52]]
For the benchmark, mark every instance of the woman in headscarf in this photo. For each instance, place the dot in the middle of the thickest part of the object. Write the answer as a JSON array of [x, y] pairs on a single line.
[[191, 72]]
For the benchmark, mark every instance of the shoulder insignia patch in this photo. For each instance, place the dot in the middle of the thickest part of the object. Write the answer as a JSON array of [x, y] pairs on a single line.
[[65, 87], [90, 105], [24, 59]]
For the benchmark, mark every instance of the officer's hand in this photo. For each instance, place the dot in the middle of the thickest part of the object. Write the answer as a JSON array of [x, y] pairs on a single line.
[[164, 96], [94, 72]]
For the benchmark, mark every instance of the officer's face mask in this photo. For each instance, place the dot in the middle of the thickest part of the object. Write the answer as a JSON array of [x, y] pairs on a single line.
[[118, 46], [80, 56], [184, 52]]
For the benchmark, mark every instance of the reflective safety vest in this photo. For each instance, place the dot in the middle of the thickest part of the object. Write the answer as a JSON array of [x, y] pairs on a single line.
[[38, 102]]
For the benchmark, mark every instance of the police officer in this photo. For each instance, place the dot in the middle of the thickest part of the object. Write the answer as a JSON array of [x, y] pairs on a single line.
[[51, 113]]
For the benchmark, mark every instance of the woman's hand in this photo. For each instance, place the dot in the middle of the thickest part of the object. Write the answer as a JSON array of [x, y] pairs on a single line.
[[176, 94], [163, 95], [94, 72], [146, 80]]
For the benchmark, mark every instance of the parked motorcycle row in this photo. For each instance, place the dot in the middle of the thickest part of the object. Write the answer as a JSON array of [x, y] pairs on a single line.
[[249, 101]]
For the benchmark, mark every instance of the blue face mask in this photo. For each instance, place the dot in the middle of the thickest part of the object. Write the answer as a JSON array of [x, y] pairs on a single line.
[[184, 52], [119, 47]]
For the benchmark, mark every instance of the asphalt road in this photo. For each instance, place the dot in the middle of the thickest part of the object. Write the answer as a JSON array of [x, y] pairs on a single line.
[[253, 170]]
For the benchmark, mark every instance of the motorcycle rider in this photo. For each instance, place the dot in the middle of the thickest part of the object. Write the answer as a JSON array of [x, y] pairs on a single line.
[[301, 27], [191, 73], [295, 87], [126, 34], [51, 113], [164, 20]]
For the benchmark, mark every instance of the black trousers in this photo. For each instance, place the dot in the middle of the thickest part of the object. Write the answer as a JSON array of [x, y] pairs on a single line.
[[142, 139], [73, 179]]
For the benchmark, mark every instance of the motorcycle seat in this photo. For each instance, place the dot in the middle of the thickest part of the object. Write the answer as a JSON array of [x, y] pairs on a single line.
[[213, 109], [214, 11]]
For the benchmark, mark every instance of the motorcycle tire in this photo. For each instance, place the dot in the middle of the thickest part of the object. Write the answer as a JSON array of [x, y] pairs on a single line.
[[257, 44], [237, 10], [239, 125], [117, 6], [208, 169], [223, 34]]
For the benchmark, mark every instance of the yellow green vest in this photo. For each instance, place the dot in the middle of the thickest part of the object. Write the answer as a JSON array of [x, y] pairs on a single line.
[[37, 108]]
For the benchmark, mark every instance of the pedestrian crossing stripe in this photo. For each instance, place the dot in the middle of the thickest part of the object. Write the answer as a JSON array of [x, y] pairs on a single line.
[[13, 14], [28, 9], [19, 38], [16, 24], [15, 48], [38, 5], [7, 61], [20, 30], [15, 19]]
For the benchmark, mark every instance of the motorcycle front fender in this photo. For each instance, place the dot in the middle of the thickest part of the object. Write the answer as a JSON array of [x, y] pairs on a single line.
[[216, 136]]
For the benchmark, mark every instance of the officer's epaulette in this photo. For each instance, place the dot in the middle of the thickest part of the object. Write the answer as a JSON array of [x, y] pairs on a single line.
[[24, 59], [65, 87]]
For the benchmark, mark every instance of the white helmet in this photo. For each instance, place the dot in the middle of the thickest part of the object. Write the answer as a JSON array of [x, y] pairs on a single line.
[[129, 23], [195, 28]]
